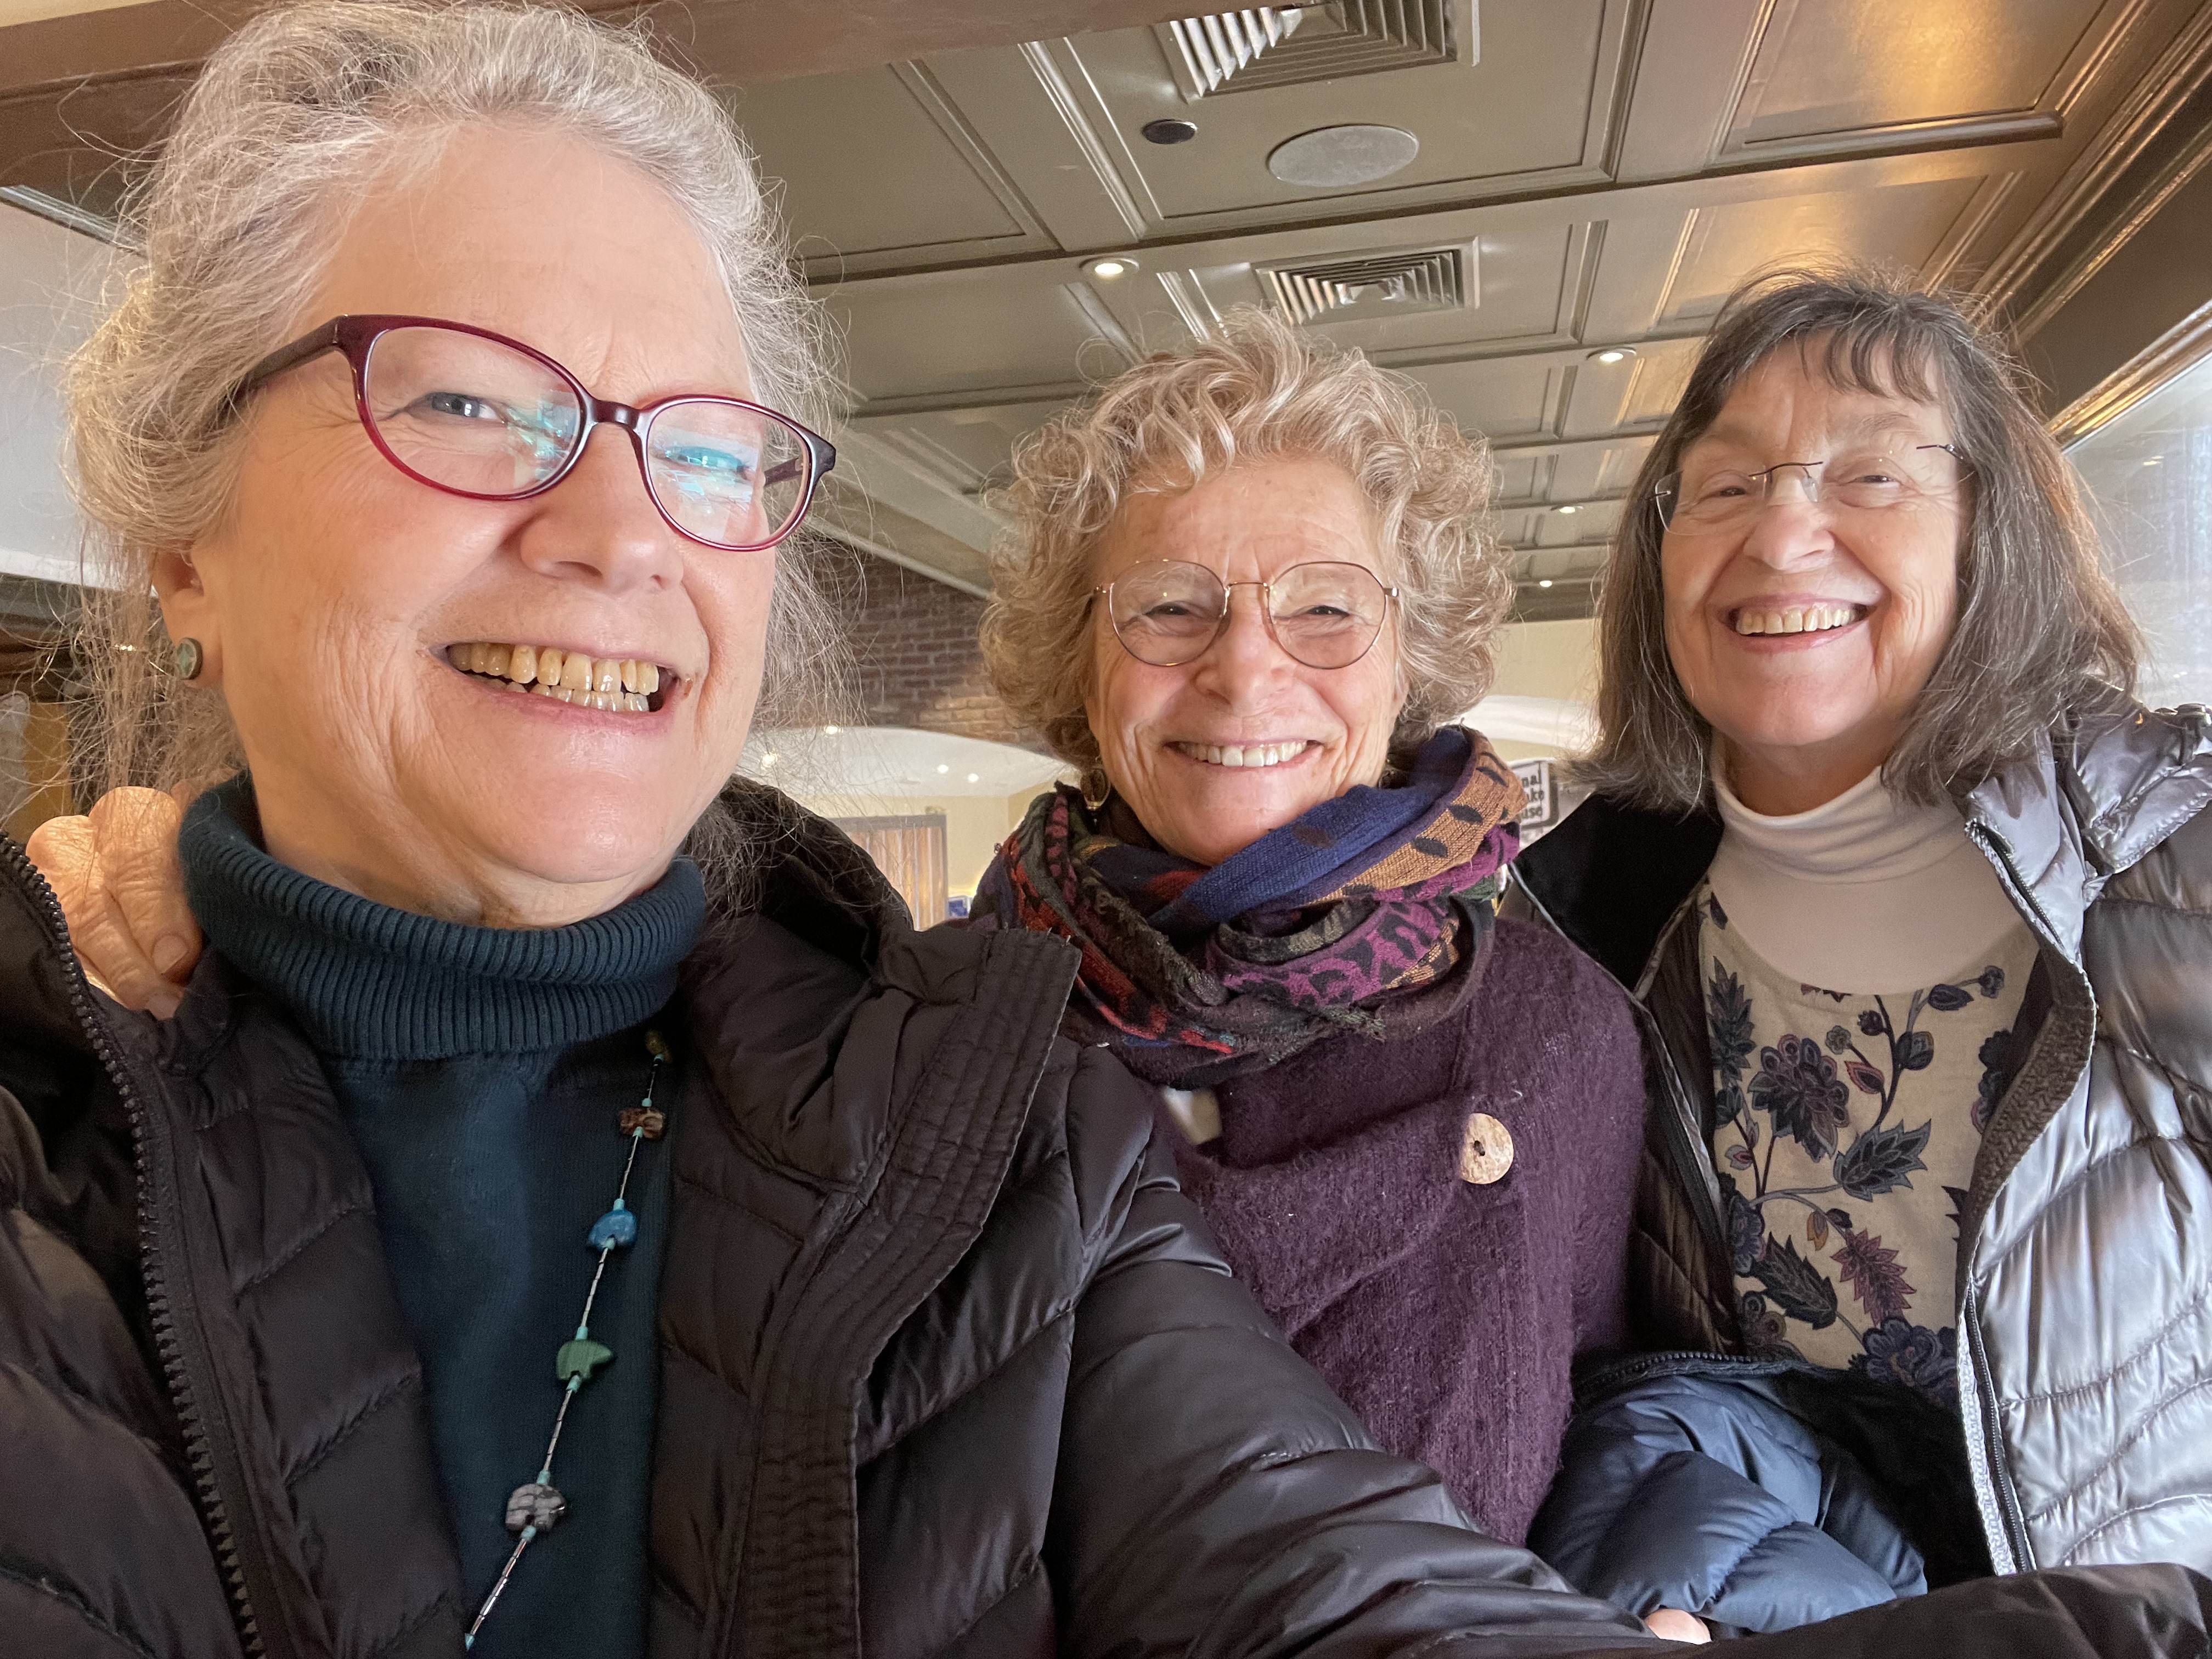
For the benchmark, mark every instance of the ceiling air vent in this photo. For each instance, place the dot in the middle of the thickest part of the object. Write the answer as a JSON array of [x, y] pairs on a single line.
[[1377, 286], [1287, 45]]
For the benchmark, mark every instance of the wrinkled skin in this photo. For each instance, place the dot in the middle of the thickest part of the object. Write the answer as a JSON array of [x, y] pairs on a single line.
[[1804, 717], [325, 595], [1246, 525]]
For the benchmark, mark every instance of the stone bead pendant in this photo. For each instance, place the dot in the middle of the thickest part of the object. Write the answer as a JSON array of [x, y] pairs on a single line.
[[535, 1506], [580, 1358], [618, 1226]]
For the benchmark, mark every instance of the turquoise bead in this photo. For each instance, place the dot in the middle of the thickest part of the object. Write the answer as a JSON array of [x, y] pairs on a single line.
[[581, 1358], [617, 1226]]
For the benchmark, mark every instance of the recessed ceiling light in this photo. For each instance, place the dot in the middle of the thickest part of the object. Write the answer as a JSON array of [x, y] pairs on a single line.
[[1330, 158], [832, 730], [1117, 264], [1564, 511], [1169, 132], [770, 759], [2154, 460], [1547, 582], [944, 769], [1613, 354], [974, 777]]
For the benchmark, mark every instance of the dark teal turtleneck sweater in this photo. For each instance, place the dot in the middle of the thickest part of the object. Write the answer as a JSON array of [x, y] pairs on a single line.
[[483, 1072]]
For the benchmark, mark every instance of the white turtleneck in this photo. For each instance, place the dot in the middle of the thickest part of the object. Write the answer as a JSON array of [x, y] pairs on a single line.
[[1866, 893]]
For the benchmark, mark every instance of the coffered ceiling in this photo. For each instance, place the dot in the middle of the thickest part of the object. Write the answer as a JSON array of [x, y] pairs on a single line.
[[1587, 180], [1593, 176]]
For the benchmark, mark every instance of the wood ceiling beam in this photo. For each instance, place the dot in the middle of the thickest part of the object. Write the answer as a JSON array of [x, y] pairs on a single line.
[[78, 91]]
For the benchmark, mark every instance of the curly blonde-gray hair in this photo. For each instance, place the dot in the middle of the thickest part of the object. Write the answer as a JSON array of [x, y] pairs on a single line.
[[303, 107], [1259, 390]]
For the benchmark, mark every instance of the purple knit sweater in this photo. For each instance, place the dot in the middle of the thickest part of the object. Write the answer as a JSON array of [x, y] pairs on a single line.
[[1447, 1315]]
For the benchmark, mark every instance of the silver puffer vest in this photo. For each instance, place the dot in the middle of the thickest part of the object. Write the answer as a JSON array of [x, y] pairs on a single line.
[[2085, 1284]]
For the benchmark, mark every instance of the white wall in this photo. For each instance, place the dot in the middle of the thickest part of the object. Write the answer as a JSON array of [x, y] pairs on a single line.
[[48, 283]]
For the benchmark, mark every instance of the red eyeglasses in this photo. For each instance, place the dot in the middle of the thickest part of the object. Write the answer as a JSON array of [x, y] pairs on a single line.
[[475, 414]]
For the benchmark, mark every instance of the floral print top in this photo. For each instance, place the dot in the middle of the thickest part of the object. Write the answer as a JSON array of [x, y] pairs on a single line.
[[1846, 1125]]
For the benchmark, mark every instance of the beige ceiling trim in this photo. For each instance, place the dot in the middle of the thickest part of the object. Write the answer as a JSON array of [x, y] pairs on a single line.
[[1322, 237], [1136, 216], [2181, 346], [2180, 70], [37, 11]]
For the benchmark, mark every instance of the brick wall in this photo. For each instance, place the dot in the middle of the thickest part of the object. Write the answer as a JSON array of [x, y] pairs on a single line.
[[913, 641]]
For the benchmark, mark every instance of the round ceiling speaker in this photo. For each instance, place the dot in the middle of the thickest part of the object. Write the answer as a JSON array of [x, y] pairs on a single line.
[[1330, 158]]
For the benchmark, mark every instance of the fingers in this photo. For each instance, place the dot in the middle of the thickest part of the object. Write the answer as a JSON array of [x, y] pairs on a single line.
[[1677, 1625], [120, 885]]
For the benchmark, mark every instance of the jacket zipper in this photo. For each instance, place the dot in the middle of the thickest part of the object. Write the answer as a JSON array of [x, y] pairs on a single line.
[[198, 1448], [2007, 1497]]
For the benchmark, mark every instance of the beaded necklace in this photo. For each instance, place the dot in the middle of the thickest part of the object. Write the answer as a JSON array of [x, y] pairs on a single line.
[[537, 1505]]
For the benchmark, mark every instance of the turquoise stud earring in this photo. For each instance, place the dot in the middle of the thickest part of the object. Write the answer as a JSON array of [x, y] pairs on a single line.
[[188, 659]]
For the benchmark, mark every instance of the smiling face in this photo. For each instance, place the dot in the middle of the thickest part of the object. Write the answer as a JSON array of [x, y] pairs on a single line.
[[1214, 753], [1804, 633], [338, 598]]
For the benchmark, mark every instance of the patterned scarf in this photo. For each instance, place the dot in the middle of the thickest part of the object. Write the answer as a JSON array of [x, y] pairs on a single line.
[[1365, 914]]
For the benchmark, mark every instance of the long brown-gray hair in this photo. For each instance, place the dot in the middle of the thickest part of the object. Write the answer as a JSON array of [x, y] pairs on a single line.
[[2040, 628]]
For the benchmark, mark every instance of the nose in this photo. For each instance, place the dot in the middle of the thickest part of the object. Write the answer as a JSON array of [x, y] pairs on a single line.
[[599, 525], [1791, 527], [1243, 659]]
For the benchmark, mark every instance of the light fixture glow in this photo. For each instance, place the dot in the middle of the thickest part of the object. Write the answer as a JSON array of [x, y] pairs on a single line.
[[2154, 460], [1547, 582], [974, 777], [1113, 265], [770, 759], [1610, 355], [832, 730], [1564, 511]]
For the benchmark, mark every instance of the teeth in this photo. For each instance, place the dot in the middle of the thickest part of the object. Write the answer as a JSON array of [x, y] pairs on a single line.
[[1807, 619], [1242, 755], [616, 684]]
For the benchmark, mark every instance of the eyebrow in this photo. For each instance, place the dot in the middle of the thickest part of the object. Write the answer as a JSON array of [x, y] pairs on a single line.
[[1885, 422]]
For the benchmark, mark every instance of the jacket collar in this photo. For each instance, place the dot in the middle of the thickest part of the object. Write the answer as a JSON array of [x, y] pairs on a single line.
[[2113, 780], [1611, 876]]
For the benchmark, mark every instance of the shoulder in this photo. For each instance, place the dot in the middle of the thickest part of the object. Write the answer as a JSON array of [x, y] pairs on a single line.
[[1092, 1119], [2140, 779], [1542, 976]]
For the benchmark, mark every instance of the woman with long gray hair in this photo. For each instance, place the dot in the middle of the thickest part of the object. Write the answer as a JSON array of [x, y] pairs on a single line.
[[1913, 896]]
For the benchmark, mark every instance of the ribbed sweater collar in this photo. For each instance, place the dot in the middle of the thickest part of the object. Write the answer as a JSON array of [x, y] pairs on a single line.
[[367, 981]]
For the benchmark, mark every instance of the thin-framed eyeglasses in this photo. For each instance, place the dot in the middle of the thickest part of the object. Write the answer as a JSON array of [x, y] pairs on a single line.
[[475, 414], [1699, 501], [1327, 614]]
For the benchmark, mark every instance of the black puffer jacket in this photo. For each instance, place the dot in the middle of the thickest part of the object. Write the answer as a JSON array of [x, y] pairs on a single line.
[[949, 1366]]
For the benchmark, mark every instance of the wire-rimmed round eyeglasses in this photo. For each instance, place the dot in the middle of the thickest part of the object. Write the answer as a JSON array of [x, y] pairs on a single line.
[[477, 415], [1327, 614]]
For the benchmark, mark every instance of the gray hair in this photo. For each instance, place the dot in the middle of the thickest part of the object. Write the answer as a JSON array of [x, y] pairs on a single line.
[[237, 220], [1259, 389], [2040, 628]]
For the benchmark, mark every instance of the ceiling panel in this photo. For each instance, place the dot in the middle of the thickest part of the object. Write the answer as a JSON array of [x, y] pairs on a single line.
[[1526, 108], [877, 162], [1900, 224], [1508, 399], [1845, 66], [967, 448], [941, 334]]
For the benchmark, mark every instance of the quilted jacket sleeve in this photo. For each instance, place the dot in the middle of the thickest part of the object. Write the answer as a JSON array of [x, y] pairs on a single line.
[[1706, 1493]]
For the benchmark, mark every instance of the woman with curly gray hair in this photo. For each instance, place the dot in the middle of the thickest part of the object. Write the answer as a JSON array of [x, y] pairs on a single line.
[[1252, 583]]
